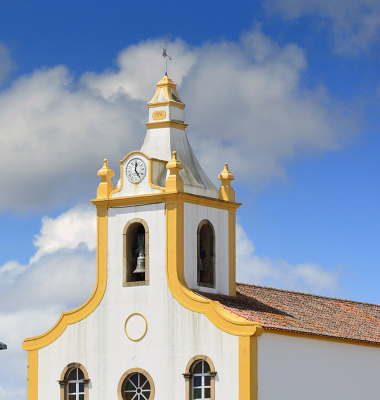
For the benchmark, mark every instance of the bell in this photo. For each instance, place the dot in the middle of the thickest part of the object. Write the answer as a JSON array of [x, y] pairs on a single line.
[[140, 268]]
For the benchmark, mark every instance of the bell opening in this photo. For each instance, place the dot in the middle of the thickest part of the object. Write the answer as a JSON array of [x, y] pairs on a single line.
[[136, 253]]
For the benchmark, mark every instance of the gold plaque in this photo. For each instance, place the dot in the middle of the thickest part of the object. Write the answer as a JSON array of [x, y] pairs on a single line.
[[159, 115]]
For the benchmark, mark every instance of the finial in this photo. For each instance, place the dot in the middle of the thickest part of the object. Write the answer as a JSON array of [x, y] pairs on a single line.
[[164, 54], [226, 192], [105, 186], [174, 182]]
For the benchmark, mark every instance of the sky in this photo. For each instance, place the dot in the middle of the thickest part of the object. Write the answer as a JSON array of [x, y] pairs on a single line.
[[285, 91]]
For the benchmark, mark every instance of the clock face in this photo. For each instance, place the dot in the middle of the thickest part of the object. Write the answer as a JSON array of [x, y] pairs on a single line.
[[135, 170]]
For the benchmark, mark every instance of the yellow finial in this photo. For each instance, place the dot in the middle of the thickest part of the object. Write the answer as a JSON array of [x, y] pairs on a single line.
[[174, 182], [105, 186], [226, 192]]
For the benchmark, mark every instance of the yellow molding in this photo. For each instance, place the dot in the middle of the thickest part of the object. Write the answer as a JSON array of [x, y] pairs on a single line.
[[163, 197], [33, 375], [223, 319], [146, 327], [150, 177], [70, 317], [318, 337], [248, 384], [166, 103], [167, 124]]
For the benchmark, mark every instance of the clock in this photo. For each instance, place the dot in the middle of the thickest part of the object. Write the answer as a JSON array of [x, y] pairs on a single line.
[[135, 170]]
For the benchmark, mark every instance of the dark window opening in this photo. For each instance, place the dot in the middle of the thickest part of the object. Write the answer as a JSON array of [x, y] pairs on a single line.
[[206, 254], [135, 246]]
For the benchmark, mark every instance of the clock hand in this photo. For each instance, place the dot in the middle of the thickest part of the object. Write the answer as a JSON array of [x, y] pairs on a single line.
[[136, 169]]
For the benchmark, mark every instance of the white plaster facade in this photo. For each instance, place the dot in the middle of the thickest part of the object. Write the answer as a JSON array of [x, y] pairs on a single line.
[[174, 334], [194, 214], [298, 368]]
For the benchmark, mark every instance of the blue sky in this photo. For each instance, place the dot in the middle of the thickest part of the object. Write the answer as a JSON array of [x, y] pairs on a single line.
[[286, 91]]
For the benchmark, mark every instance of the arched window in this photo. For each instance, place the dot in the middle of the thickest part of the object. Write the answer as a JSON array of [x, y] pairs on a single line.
[[135, 384], [74, 382], [206, 254], [200, 379], [136, 253]]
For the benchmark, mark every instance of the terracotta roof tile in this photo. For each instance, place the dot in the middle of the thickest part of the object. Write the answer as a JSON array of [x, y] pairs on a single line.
[[304, 313]]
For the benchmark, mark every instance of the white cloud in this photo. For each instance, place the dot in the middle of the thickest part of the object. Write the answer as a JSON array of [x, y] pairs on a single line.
[[246, 103], [60, 277], [305, 277], [67, 231], [355, 24]]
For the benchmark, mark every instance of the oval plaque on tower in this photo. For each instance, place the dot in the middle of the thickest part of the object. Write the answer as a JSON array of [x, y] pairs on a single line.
[[159, 114]]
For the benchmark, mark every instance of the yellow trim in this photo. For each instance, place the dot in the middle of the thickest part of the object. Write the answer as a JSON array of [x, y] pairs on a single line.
[[197, 358], [223, 319], [232, 251], [150, 177], [70, 317], [167, 124], [33, 375], [166, 103], [248, 368], [324, 338], [163, 197], [146, 327]]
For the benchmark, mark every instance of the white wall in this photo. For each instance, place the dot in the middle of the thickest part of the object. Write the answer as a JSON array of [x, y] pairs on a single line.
[[174, 334], [293, 368], [194, 214]]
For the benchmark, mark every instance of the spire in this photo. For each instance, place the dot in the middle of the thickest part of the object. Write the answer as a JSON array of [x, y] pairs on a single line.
[[167, 133]]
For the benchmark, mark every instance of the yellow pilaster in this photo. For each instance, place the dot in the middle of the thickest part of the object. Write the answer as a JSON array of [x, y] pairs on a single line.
[[248, 368], [32, 374]]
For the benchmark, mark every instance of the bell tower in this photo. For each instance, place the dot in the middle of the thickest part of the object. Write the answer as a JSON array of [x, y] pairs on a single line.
[[167, 168]]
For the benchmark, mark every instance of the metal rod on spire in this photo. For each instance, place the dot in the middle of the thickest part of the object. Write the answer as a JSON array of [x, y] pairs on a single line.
[[165, 55]]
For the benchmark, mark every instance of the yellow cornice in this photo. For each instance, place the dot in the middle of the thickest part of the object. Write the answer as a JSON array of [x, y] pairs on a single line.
[[166, 103], [167, 124], [70, 317], [165, 197]]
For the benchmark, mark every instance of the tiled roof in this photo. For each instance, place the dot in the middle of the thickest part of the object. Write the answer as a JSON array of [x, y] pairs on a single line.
[[295, 312]]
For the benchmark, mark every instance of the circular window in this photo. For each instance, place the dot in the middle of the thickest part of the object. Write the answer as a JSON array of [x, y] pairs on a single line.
[[136, 384]]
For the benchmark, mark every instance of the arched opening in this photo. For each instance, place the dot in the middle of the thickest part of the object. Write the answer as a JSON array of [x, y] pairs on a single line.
[[136, 384], [136, 256], [206, 254], [74, 382], [200, 379]]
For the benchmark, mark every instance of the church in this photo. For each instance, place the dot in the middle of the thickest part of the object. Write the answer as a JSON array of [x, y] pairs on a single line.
[[167, 320]]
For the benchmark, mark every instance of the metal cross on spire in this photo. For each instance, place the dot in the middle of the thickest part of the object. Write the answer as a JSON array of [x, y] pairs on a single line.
[[164, 54]]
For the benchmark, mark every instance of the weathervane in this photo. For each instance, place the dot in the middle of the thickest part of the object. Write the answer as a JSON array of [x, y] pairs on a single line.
[[164, 54]]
